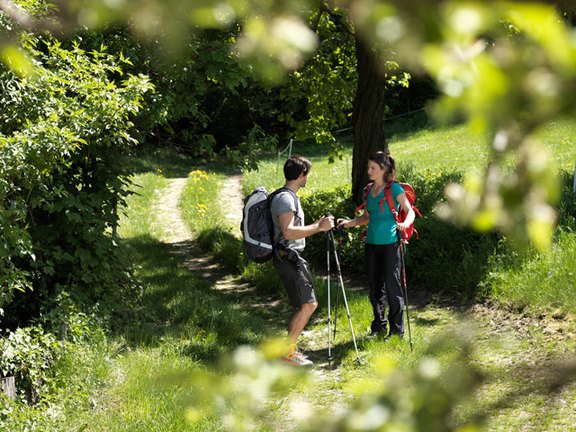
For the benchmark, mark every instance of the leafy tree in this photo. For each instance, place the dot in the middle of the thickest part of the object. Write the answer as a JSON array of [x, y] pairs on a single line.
[[505, 86], [63, 169]]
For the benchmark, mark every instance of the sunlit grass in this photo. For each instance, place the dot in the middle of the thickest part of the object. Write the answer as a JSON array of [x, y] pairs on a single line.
[[454, 147], [180, 323], [200, 204], [324, 174], [148, 391], [542, 280], [202, 210], [137, 216]]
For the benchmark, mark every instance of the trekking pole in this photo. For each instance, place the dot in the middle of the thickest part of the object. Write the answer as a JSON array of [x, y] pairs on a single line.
[[405, 293], [341, 281], [328, 289], [336, 302]]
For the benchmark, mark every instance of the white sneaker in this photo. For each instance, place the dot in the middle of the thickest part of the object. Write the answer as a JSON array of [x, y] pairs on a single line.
[[297, 359]]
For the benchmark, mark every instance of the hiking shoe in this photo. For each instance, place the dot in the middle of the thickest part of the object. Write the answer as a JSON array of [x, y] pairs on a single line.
[[376, 334], [393, 335], [297, 359]]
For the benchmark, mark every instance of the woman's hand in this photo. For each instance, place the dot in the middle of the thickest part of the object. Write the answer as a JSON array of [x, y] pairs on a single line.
[[341, 222]]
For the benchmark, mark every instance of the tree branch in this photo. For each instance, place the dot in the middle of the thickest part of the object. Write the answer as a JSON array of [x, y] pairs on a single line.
[[24, 19], [339, 18], [15, 13]]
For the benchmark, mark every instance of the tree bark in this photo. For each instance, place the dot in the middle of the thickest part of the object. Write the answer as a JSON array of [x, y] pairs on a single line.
[[368, 115]]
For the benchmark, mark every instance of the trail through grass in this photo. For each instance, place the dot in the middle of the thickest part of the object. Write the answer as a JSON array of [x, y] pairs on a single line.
[[188, 320], [194, 309]]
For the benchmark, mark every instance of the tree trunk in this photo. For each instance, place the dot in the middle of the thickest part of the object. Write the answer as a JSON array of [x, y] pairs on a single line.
[[368, 115]]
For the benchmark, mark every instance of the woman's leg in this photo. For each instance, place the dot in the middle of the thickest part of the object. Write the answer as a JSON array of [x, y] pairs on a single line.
[[394, 288], [374, 266]]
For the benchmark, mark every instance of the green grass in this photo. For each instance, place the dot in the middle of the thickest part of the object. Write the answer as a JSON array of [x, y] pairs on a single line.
[[324, 175], [542, 281], [165, 337], [141, 396], [559, 138], [139, 206], [454, 147], [141, 377], [200, 205], [457, 147], [515, 395], [159, 368]]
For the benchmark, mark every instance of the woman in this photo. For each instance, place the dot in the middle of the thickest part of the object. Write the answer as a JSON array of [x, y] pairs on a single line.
[[383, 248]]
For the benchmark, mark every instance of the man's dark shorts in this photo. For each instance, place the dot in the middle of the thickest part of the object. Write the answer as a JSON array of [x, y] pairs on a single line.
[[297, 281]]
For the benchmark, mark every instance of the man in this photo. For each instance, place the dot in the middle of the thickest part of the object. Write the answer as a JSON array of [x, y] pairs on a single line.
[[289, 234]]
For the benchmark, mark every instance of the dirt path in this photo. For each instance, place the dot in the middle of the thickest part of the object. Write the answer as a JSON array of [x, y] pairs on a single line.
[[181, 241], [232, 202], [167, 212], [176, 233]]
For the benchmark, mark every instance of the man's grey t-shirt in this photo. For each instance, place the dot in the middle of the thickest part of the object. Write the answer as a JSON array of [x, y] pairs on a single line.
[[285, 202]]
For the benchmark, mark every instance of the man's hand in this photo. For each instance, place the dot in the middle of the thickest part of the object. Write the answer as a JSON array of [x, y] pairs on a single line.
[[326, 223]]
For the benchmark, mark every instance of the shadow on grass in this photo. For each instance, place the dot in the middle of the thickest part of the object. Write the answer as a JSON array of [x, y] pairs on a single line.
[[180, 303], [426, 322], [340, 352]]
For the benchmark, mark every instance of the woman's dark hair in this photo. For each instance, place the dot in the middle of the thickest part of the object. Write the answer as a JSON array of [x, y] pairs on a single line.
[[296, 165], [386, 162]]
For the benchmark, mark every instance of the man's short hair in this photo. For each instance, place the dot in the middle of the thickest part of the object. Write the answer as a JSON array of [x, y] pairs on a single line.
[[296, 165]]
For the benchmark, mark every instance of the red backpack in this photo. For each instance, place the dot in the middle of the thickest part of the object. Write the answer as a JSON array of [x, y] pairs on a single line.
[[400, 215]]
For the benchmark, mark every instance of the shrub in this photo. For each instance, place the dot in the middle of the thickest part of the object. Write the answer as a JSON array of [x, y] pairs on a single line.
[[431, 259], [64, 140], [567, 204], [27, 355], [336, 201]]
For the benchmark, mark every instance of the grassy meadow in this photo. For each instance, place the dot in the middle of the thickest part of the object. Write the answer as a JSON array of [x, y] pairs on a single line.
[[427, 148], [534, 281], [539, 285], [197, 348]]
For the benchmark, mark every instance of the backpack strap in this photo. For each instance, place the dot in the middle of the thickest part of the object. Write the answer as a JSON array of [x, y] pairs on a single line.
[[284, 189], [364, 204], [390, 200]]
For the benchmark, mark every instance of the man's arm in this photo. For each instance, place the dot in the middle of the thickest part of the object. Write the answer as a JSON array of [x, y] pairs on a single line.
[[292, 232]]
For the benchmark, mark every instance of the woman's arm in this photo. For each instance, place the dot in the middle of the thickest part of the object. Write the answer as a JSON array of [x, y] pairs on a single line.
[[410, 215], [361, 220]]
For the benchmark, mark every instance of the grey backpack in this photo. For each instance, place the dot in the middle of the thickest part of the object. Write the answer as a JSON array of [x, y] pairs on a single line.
[[257, 226]]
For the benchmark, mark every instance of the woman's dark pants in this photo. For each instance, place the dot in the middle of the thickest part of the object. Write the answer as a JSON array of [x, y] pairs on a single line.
[[383, 266]]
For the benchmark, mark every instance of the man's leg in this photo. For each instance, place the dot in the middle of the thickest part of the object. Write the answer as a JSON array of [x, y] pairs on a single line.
[[298, 284], [299, 321]]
